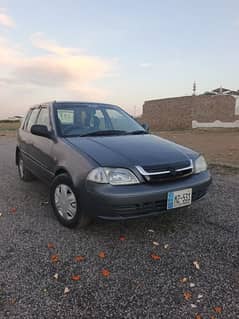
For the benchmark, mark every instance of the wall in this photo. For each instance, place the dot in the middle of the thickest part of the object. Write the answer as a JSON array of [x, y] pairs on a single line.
[[167, 114], [191, 111]]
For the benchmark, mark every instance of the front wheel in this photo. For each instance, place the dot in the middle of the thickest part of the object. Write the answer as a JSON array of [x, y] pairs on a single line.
[[66, 203]]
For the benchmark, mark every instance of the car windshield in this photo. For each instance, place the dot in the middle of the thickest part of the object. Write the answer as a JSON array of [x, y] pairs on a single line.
[[95, 120]]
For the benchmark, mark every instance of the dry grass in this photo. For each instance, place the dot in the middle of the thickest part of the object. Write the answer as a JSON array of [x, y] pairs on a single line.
[[218, 146], [8, 128]]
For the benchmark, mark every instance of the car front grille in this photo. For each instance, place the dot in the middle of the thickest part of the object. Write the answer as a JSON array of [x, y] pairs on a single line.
[[161, 173], [143, 208]]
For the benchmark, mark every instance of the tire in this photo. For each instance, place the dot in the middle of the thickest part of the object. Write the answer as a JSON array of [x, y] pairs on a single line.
[[66, 203], [24, 174]]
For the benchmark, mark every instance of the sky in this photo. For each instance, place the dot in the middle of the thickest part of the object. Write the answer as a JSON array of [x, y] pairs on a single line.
[[121, 52]]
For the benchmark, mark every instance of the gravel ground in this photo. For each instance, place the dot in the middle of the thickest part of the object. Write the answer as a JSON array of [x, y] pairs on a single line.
[[138, 286]]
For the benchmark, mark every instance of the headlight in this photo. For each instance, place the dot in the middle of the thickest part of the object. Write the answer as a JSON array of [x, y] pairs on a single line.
[[200, 165], [113, 176]]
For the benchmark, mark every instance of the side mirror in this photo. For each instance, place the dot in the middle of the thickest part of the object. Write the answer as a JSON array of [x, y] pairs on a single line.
[[145, 126], [40, 130]]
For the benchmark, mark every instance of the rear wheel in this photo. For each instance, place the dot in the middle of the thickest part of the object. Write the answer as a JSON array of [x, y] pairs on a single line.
[[24, 174], [66, 203]]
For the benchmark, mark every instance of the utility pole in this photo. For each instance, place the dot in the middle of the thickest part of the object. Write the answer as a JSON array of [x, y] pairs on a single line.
[[194, 88]]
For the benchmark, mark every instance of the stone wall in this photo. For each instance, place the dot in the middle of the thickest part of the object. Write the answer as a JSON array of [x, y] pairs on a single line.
[[215, 107], [190, 111]]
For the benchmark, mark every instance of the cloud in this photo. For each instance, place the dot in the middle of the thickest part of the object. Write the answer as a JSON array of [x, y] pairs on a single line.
[[10, 54], [145, 65], [56, 67], [5, 19], [40, 41]]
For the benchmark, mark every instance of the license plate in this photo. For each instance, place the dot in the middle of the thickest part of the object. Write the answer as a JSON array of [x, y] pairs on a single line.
[[179, 198]]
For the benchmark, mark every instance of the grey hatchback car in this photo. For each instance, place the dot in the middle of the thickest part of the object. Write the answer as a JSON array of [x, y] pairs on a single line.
[[100, 162]]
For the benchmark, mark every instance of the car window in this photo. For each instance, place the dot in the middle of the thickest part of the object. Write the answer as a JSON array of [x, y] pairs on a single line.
[[98, 120], [81, 119], [85, 119], [118, 120], [25, 120], [32, 119], [66, 116], [43, 117]]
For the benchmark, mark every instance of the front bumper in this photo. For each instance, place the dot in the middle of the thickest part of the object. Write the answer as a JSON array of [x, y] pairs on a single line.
[[134, 201]]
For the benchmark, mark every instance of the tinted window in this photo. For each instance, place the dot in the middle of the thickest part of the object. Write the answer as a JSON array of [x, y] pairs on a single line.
[[32, 119], [43, 118]]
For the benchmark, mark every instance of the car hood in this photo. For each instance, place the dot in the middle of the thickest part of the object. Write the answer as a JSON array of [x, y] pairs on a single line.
[[131, 150]]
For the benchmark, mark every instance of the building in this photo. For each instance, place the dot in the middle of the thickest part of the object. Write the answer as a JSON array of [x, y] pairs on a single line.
[[222, 91], [218, 109]]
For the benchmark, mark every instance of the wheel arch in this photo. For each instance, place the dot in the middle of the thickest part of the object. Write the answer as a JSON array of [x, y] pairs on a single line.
[[62, 170]]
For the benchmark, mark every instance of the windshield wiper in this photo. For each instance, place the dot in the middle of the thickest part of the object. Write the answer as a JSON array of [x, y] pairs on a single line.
[[104, 133], [138, 132]]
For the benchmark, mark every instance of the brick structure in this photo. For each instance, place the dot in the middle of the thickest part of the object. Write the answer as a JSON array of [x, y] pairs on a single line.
[[188, 112]]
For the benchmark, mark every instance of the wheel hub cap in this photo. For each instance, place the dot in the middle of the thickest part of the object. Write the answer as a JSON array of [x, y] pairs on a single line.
[[21, 170], [65, 201]]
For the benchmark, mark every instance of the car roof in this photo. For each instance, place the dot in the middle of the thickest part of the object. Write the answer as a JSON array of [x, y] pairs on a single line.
[[55, 103], [83, 103], [68, 103]]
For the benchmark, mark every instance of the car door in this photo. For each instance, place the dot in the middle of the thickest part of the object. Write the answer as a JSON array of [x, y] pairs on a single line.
[[26, 141], [22, 135], [42, 147]]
